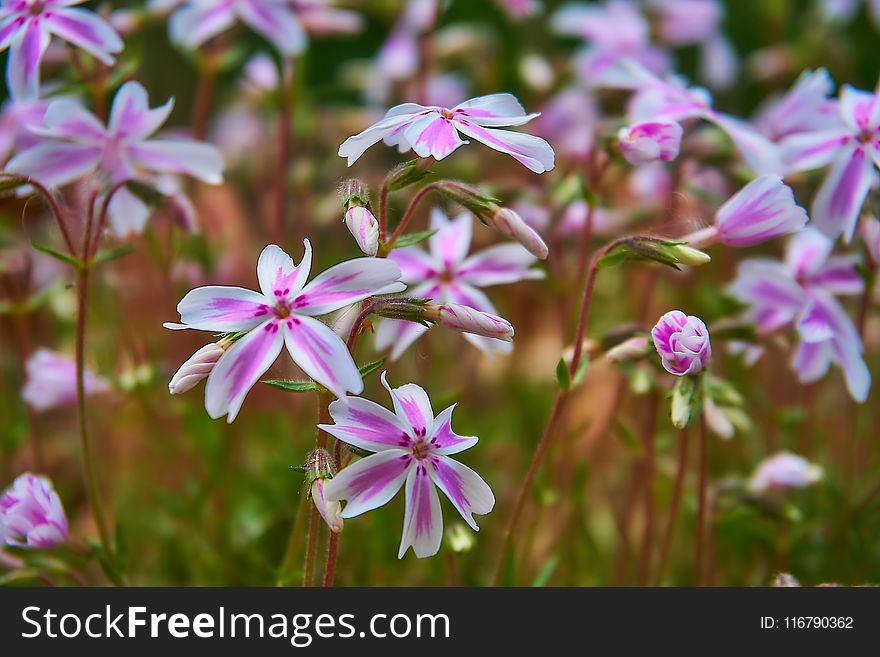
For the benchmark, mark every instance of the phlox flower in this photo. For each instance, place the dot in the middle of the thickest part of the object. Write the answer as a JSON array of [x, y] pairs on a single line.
[[650, 141], [783, 470], [853, 151], [411, 450], [447, 275], [283, 314], [806, 107], [51, 381], [197, 21], [800, 293], [27, 27], [76, 144], [569, 120], [32, 514], [434, 131]]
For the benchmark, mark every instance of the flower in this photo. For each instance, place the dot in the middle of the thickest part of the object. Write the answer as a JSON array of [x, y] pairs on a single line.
[[468, 320], [17, 115], [682, 342], [650, 141], [783, 470], [51, 381], [447, 276], [800, 293], [853, 151], [569, 120], [283, 313], [760, 211], [27, 26], [364, 228], [806, 107], [411, 448], [32, 513], [197, 367], [196, 21], [77, 144], [434, 131]]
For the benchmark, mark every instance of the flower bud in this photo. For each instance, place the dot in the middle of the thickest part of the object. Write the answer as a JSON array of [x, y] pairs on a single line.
[[783, 470], [631, 349], [469, 320], [685, 401], [197, 367], [762, 210], [509, 223], [687, 255], [650, 141], [365, 229], [682, 342], [318, 471], [32, 514], [354, 193]]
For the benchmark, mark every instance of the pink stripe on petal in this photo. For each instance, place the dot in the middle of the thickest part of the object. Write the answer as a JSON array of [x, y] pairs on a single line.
[[194, 23], [367, 425], [505, 263], [220, 308], [347, 283], [55, 164], [414, 263], [841, 196], [239, 369], [370, 482], [412, 406], [433, 136], [423, 520], [321, 354], [197, 159], [25, 54], [450, 244], [444, 440], [131, 115], [275, 21], [279, 277], [85, 30], [466, 490], [398, 335]]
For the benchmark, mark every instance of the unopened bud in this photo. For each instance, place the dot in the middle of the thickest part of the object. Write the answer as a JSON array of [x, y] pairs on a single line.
[[469, 320], [629, 350], [509, 223], [407, 309], [686, 401], [364, 228], [197, 367], [318, 471], [687, 255]]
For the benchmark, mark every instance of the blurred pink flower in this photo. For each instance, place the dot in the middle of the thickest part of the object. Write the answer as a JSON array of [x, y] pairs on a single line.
[[197, 21], [447, 275], [51, 381], [783, 470], [800, 293], [650, 141], [434, 131], [682, 342], [77, 144], [520, 8], [321, 18], [853, 151], [17, 115], [412, 449], [27, 27], [569, 121], [283, 314], [32, 513], [806, 107]]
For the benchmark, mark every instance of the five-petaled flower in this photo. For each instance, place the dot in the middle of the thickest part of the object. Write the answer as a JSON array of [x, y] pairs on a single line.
[[27, 26], [283, 313], [800, 293], [434, 131], [682, 342], [412, 449], [447, 275], [852, 149], [76, 144]]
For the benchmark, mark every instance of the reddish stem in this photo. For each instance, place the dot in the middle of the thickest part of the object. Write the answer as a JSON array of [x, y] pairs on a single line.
[[699, 543], [677, 490]]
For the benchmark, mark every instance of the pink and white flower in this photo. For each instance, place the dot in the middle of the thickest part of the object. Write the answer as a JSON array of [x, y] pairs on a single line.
[[434, 131], [447, 275], [32, 513], [760, 211], [806, 107], [650, 141], [197, 21], [411, 450], [51, 381], [682, 342], [852, 150], [27, 27], [800, 293], [783, 470], [283, 314], [364, 228], [77, 144]]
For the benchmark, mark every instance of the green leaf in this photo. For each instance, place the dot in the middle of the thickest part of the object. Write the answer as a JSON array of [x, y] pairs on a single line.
[[411, 238], [48, 250], [581, 370], [562, 376], [545, 573], [612, 259], [292, 386], [369, 368], [112, 254]]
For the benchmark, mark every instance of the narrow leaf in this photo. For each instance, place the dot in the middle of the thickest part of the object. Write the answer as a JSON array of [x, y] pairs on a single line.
[[411, 238], [562, 375], [112, 254], [369, 368], [292, 386], [48, 250]]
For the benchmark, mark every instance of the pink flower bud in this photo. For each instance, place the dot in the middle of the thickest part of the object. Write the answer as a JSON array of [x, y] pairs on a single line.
[[364, 228], [331, 512], [469, 320], [682, 342], [197, 367], [32, 514], [762, 210], [509, 223], [51, 381], [784, 470], [650, 141]]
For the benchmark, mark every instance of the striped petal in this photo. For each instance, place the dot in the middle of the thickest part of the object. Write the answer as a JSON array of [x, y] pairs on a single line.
[[842, 194], [87, 31], [55, 164], [278, 276], [466, 490], [321, 354], [275, 21], [194, 158], [444, 440], [366, 424], [423, 519], [369, 483], [412, 406], [532, 152], [347, 283], [221, 308], [23, 67]]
